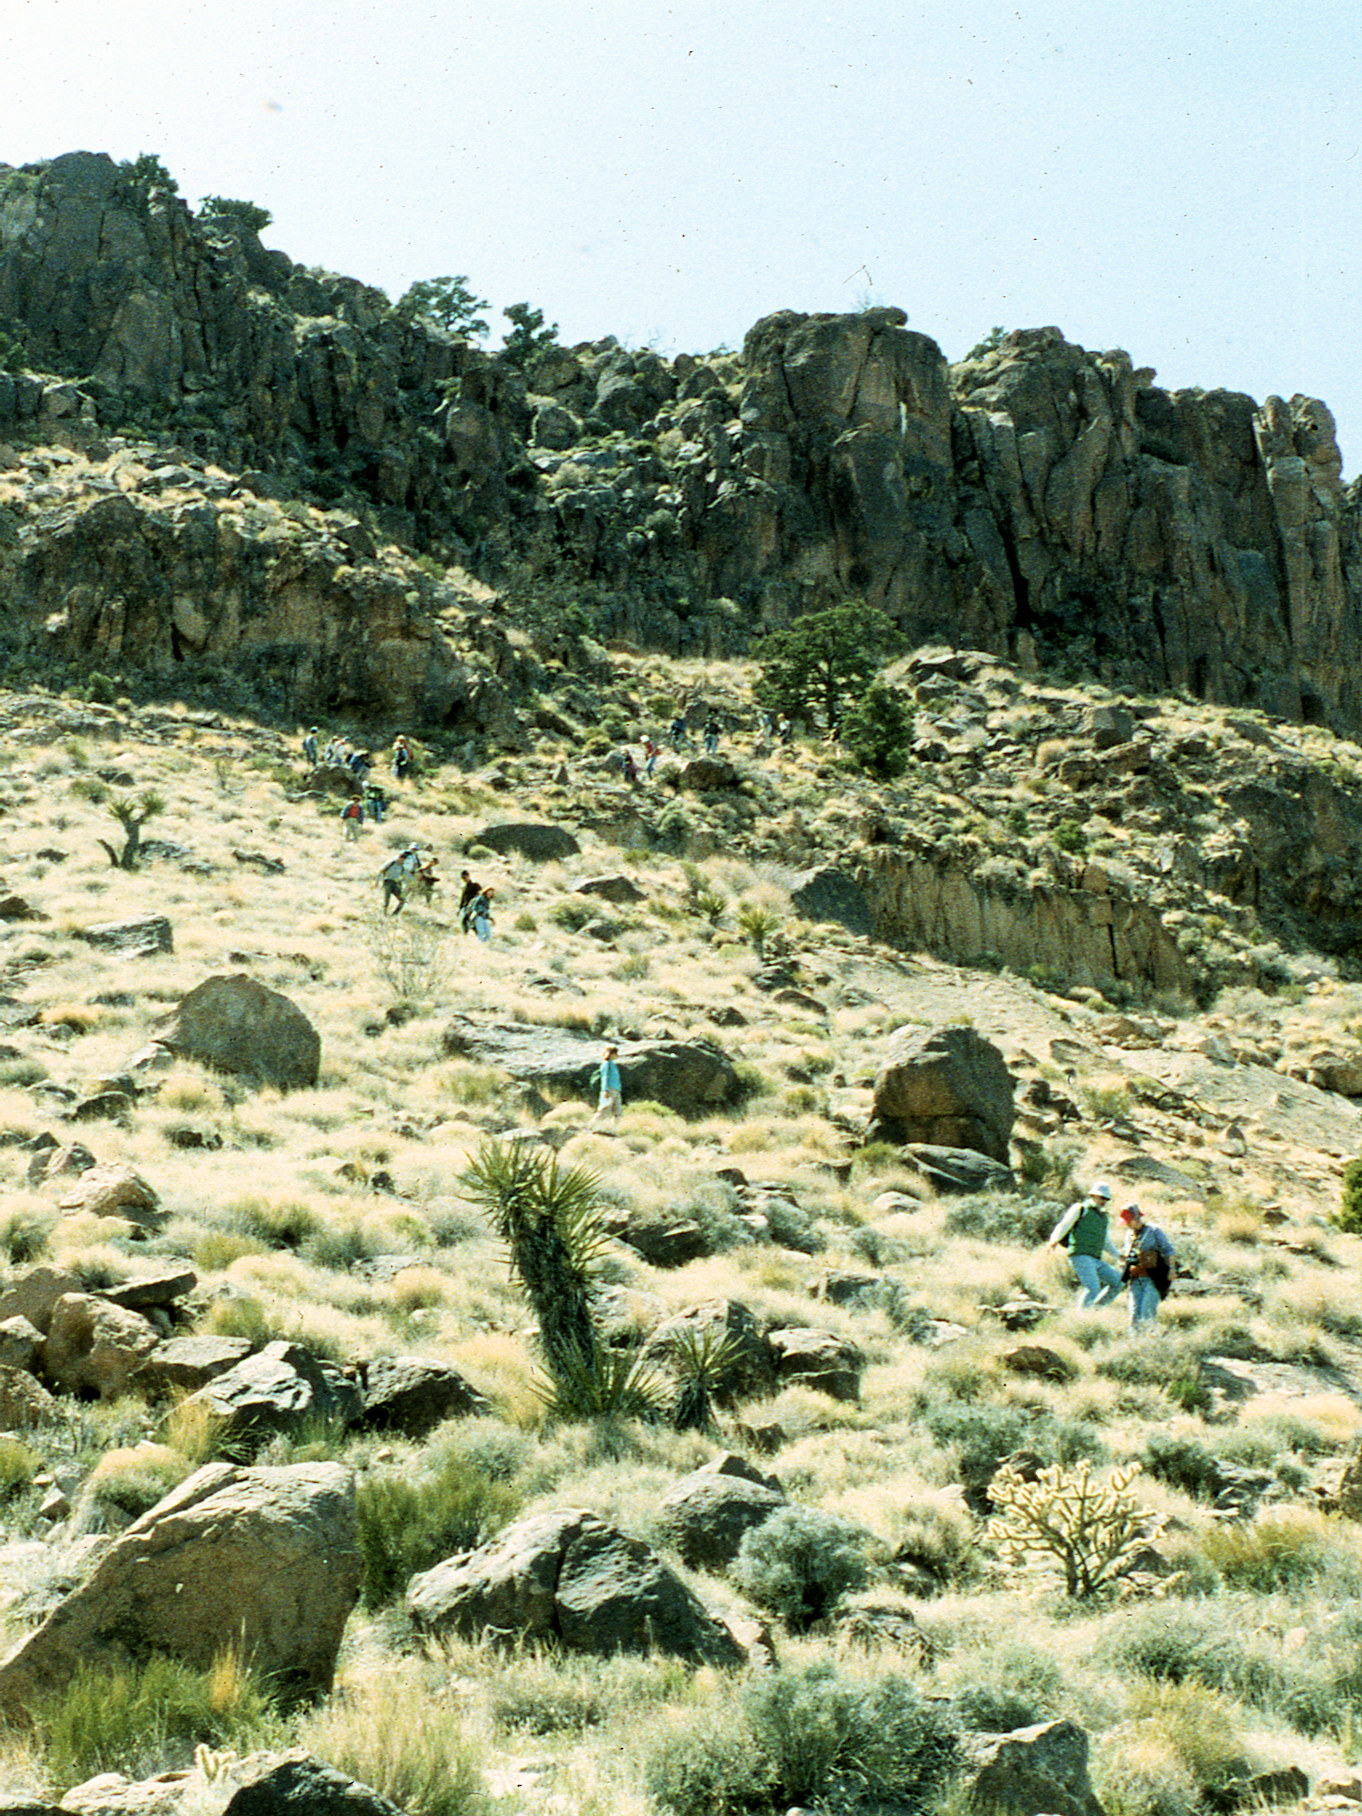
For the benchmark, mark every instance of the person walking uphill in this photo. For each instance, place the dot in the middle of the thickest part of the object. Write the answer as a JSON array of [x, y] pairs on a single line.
[[608, 1072], [1149, 1266], [1083, 1231]]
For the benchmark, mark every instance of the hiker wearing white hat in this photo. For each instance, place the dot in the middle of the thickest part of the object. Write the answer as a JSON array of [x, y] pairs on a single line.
[[1083, 1231]]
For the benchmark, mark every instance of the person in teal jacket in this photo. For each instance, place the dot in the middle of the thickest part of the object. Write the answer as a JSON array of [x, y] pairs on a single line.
[[608, 1072], [1083, 1231]]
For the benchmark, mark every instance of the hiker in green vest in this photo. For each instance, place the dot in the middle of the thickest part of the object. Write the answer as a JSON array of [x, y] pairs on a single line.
[[1083, 1231]]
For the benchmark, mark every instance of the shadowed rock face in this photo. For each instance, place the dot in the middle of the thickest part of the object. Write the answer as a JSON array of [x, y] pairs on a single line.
[[1039, 501]]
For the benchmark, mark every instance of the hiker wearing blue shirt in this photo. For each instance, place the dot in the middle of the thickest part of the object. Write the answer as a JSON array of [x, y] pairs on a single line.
[[608, 1073], [1149, 1266]]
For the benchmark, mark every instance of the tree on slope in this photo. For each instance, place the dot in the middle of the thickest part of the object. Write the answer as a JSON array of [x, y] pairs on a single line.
[[824, 659]]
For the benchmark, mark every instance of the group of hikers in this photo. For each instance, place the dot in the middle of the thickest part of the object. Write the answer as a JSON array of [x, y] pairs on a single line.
[[1146, 1264]]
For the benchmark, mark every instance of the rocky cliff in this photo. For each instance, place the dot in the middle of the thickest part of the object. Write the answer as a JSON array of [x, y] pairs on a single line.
[[1047, 504]]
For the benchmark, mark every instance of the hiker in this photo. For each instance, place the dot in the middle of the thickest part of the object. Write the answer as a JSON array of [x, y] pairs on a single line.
[[651, 752], [1083, 1231], [394, 876], [401, 758], [1149, 1268], [711, 735], [480, 915], [467, 896], [359, 766], [678, 732], [374, 802], [425, 877], [608, 1073], [310, 748], [628, 767], [352, 818], [785, 729]]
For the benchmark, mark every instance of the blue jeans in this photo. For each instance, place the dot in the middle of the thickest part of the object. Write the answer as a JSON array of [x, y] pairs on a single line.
[[1098, 1281], [1144, 1303]]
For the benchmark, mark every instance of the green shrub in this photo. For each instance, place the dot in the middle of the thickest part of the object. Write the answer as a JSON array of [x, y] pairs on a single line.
[[408, 1524], [1003, 1217], [800, 1738], [1070, 836], [1349, 1215], [1181, 1461], [1091, 1528], [1005, 1685], [1283, 1548], [800, 1562], [18, 1466], [418, 1751], [141, 1719]]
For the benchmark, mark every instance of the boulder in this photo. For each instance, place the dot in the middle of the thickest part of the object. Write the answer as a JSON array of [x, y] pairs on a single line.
[[662, 1239], [616, 889], [541, 843], [115, 1191], [691, 1077], [132, 939], [25, 1402], [1033, 1770], [949, 1088], [706, 1514], [237, 1025], [35, 1294], [819, 1359], [705, 775], [405, 1395], [297, 1784], [829, 894], [280, 1388], [959, 1169], [265, 1560], [1109, 726], [567, 1578], [184, 1364], [150, 1292], [20, 1342], [94, 1347], [752, 1373]]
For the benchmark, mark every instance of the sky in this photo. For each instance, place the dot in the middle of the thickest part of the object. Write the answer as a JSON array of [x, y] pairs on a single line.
[[1181, 178]]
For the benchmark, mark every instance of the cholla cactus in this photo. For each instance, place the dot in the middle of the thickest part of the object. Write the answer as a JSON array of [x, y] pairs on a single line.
[[1093, 1527]]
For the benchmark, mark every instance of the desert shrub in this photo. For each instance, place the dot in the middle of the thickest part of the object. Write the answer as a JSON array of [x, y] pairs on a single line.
[[18, 1466], [1174, 1642], [1283, 1548], [574, 914], [24, 1234], [546, 1693], [1180, 1460], [1003, 1217], [800, 1562], [282, 1223], [804, 1737], [131, 1481], [141, 1719], [1349, 1214], [408, 1524], [1005, 1685], [1180, 1752], [1091, 1528], [938, 1542], [415, 1750]]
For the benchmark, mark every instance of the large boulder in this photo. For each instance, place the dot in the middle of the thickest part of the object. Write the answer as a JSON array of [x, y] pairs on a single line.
[[707, 1512], [540, 842], [94, 1347], [830, 894], [950, 1088], [115, 1191], [263, 1560], [279, 1389], [819, 1359], [691, 1077], [568, 1579], [237, 1025], [1043, 1769], [751, 1372], [407, 1395]]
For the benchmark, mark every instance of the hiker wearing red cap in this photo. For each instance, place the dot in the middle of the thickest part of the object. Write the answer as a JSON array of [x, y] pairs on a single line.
[[1148, 1265]]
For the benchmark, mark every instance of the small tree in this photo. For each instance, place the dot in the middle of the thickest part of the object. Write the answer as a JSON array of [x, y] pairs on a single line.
[[877, 730], [132, 816], [821, 659], [237, 216], [447, 302], [1349, 1216], [528, 337], [147, 172], [801, 1562]]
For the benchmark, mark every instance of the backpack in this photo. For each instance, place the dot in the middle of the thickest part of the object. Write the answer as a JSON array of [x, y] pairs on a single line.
[[352, 811]]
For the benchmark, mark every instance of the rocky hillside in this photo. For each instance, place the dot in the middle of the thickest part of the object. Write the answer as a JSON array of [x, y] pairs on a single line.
[[1045, 504]]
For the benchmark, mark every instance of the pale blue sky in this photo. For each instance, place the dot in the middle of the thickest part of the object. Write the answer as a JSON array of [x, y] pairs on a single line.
[[1182, 178]]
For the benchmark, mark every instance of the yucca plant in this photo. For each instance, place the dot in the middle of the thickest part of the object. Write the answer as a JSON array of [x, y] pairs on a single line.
[[758, 924], [704, 1360], [550, 1219]]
